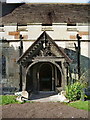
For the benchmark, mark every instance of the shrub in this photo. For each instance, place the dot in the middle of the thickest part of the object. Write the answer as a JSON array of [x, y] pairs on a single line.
[[73, 91]]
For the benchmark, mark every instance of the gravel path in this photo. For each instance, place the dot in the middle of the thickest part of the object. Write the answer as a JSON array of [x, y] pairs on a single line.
[[42, 110]]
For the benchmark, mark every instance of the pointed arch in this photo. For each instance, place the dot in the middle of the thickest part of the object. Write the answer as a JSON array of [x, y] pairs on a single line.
[[52, 64]]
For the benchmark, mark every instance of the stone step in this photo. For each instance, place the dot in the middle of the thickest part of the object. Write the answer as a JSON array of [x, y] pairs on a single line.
[[42, 94]]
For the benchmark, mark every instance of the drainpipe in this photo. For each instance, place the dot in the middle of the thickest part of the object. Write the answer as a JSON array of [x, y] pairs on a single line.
[[20, 53], [78, 55]]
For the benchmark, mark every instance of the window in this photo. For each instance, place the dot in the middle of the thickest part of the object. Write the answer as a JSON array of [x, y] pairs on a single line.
[[71, 24], [47, 24], [3, 66]]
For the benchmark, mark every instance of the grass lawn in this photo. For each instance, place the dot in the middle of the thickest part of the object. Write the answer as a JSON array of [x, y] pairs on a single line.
[[7, 99], [10, 99], [85, 105]]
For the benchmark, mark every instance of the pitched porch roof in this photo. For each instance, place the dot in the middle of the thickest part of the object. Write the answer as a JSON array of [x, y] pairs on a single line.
[[36, 46]]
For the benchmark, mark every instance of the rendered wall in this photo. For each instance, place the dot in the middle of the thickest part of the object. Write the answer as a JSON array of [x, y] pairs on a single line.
[[63, 35]]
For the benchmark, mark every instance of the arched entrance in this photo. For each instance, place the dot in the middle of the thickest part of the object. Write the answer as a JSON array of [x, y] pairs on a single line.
[[45, 77]]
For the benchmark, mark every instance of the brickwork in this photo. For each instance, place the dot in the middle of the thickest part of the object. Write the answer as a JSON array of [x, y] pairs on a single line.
[[14, 33], [84, 33], [72, 37]]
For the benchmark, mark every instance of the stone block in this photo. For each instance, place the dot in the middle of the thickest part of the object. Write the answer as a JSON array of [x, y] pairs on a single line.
[[23, 94]]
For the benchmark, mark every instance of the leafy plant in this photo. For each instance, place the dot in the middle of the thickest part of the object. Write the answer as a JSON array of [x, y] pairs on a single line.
[[73, 91]]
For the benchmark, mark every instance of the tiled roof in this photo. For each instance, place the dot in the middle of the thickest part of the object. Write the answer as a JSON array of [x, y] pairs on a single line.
[[46, 13]]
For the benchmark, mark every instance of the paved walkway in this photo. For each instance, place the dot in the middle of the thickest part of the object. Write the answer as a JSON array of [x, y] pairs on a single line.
[[47, 97]]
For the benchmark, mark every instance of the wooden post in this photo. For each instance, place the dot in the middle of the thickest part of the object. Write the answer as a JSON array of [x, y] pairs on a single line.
[[67, 76], [53, 79], [66, 65]]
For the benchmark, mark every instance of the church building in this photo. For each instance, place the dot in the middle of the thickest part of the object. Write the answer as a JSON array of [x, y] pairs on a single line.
[[44, 47]]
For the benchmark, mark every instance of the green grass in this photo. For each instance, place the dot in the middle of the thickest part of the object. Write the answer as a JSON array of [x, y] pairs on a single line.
[[85, 105], [7, 99], [10, 99]]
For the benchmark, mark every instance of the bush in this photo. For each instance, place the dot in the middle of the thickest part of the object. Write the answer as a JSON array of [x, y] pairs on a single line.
[[73, 91]]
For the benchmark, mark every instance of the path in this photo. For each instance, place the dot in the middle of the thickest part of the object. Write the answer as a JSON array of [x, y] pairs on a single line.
[[42, 110]]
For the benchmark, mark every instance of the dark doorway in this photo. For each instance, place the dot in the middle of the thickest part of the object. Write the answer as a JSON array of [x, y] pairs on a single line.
[[45, 77]]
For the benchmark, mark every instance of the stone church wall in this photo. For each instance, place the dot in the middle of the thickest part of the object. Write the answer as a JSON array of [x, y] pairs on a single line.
[[63, 35], [11, 79]]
